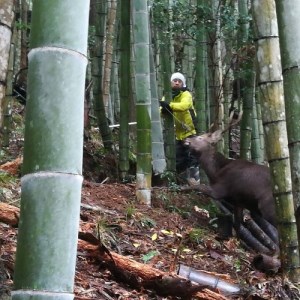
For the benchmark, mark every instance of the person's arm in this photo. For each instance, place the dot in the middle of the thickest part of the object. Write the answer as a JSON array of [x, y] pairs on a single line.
[[164, 106], [185, 103]]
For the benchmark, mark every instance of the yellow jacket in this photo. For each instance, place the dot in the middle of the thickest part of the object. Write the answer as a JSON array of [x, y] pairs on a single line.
[[183, 108]]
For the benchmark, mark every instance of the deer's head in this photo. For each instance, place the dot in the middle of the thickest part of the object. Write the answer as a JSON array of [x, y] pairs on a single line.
[[203, 142], [206, 141]]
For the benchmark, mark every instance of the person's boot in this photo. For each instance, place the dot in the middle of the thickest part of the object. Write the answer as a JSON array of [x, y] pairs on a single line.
[[193, 175]]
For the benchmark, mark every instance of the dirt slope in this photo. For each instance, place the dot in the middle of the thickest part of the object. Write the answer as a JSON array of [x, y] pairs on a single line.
[[168, 234], [178, 229]]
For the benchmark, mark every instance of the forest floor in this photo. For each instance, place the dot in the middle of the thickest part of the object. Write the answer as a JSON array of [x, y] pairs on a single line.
[[179, 229]]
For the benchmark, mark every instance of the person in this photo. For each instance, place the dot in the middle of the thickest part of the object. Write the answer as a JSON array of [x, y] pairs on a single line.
[[182, 109]]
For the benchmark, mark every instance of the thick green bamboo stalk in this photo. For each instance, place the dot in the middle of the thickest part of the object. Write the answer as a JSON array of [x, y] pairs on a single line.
[[6, 17], [165, 61], [260, 123], [257, 152], [247, 80], [158, 152], [230, 41], [52, 169], [288, 13], [7, 103], [109, 48], [189, 49], [273, 112], [114, 107], [98, 17], [215, 70], [143, 100], [248, 100], [200, 78], [124, 89], [243, 30]]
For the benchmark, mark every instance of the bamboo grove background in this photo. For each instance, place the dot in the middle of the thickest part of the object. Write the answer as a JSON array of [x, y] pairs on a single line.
[[236, 55]]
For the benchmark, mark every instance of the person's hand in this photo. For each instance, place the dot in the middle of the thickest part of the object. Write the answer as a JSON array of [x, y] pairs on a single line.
[[165, 107]]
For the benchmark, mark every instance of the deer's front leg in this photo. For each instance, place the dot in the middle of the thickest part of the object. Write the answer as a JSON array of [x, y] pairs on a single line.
[[238, 218]]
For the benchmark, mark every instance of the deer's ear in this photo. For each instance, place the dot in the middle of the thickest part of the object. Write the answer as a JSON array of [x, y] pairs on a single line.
[[216, 136]]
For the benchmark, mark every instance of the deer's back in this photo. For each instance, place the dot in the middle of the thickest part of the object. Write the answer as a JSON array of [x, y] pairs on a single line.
[[248, 185]]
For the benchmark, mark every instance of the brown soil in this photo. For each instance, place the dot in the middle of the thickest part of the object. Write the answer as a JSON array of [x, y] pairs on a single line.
[[178, 228]]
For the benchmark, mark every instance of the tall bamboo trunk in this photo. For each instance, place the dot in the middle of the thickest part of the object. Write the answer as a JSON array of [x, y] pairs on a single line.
[[273, 112], [141, 49], [109, 48], [6, 17], [52, 168], [125, 89]]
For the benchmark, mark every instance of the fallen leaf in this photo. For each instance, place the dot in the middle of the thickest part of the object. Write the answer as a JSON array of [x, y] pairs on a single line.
[[166, 232], [154, 237]]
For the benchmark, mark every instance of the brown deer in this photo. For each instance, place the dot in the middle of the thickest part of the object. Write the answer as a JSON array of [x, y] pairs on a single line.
[[242, 183]]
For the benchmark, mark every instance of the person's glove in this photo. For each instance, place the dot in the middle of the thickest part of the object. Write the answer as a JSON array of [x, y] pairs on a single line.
[[165, 107]]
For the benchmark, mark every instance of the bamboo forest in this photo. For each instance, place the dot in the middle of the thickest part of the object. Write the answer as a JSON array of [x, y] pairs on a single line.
[[149, 149]]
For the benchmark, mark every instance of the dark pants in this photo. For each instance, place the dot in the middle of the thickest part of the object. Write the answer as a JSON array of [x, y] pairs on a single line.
[[184, 158]]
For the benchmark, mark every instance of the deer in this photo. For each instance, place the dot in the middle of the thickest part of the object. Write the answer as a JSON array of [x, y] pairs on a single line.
[[240, 182]]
